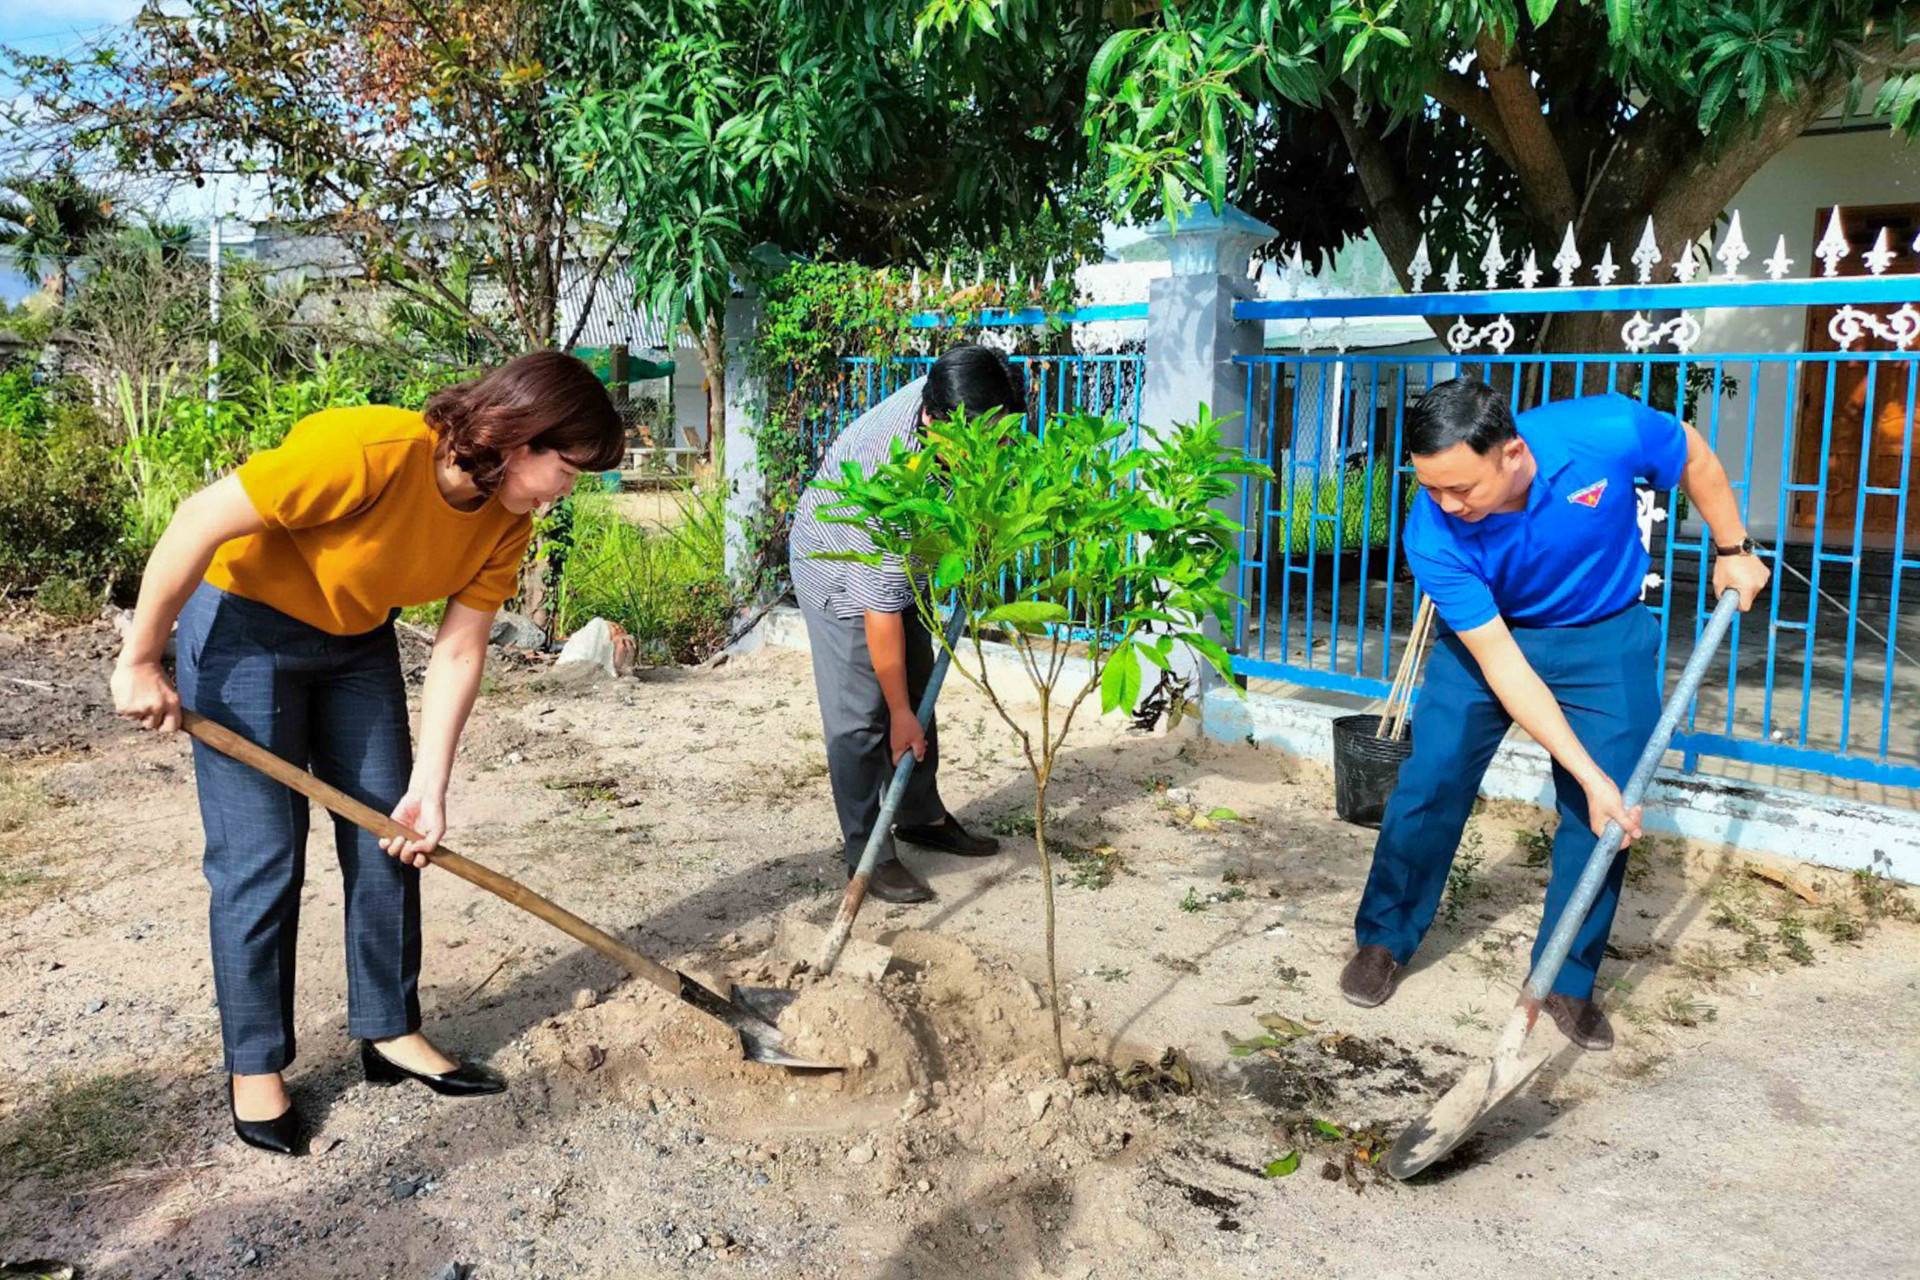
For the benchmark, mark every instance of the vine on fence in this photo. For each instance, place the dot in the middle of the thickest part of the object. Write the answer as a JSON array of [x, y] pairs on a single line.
[[816, 316]]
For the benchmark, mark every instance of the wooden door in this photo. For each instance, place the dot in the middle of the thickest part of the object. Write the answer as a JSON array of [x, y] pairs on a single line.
[[1879, 430]]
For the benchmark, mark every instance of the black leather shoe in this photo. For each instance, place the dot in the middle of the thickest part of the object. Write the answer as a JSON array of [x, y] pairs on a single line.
[[948, 836], [467, 1080], [1580, 1021], [280, 1135], [891, 881], [1369, 977]]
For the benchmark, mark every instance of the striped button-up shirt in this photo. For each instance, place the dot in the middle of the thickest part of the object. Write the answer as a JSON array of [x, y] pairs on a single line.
[[844, 588]]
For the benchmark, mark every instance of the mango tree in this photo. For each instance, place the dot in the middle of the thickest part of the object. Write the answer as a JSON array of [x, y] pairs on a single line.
[[1093, 557]]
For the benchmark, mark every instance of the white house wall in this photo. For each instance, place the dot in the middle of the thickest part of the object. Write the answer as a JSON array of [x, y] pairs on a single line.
[[1867, 167]]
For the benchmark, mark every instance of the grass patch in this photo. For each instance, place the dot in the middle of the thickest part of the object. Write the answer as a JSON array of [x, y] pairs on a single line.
[[20, 799], [1880, 898], [1092, 868], [667, 587], [428, 616], [1536, 844], [1684, 1009], [81, 1127]]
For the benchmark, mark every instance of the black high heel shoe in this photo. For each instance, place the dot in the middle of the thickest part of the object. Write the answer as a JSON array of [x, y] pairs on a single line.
[[280, 1135], [468, 1080]]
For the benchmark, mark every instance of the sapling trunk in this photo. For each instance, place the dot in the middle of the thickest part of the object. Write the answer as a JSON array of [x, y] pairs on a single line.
[[1046, 887]]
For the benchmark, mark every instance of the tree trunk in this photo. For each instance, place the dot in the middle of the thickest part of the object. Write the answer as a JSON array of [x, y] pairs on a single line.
[[1046, 887], [713, 363]]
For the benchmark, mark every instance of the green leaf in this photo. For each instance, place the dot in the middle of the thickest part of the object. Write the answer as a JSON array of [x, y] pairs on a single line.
[[1329, 1129], [953, 567], [1540, 10], [1027, 613], [1223, 815], [1285, 1165], [1120, 682]]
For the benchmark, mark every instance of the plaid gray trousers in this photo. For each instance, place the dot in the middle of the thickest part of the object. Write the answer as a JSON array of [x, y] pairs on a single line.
[[337, 705]]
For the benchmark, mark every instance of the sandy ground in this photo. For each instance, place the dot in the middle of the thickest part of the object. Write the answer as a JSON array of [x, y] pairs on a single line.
[[687, 812]]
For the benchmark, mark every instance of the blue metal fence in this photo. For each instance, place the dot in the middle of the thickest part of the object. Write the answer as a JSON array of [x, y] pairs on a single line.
[[1818, 444]]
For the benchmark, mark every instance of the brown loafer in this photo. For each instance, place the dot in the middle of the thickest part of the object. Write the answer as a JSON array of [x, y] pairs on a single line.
[[891, 881], [1369, 977], [1581, 1022], [948, 836]]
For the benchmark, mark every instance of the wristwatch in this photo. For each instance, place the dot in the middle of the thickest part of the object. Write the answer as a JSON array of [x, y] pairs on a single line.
[[1747, 547]]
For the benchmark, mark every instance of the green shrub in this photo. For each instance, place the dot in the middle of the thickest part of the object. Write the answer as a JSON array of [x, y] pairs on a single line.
[[68, 598], [62, 497], [667, 587], [1362, 499]]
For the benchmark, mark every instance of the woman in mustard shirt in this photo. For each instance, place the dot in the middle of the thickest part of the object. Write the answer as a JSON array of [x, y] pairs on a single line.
[[285, 578]]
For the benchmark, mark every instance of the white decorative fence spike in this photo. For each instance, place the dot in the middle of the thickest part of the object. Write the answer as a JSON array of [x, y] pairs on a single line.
[[946, 279], [1832, 246], [1606, 269], [1451, 277], [1567, 261], [1529, 272], [1047, 280], [980, 273], [1779, 264], [1422, 265], [1686, 266], [1296, 274], [1880, 257], [1013, 278], [1850, 324], [1733, 249], [1493, 261], [1646, 256]]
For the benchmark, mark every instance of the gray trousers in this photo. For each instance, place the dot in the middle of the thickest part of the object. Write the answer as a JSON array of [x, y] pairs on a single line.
[[853, 714]]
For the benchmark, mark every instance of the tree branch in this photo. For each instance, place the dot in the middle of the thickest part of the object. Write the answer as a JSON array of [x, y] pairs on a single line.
[[1535, 157]]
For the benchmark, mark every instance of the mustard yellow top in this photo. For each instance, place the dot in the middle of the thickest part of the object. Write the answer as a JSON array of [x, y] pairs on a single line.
[[357, 526]]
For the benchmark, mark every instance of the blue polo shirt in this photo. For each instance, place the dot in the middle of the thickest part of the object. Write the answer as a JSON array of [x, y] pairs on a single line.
[[1574, 554]]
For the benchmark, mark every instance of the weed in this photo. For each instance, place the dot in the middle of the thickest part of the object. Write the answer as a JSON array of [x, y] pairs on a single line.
[[68, 599], [1155, 782], [1727, 916], [1881, 897], [1637, 1016], [1014, 822], [1641, 1067], [1683, 1009], [1754, 951], [84, 1126], [428, 615], [1093, 868], [1639, 862], [1192, 901], [1463, 878], [1288, 975], [1490, 960], [489, 683], [1537, 844], [1706, 964], [1471, 1019], [1111, 973], [1792, 933], [1839, 924], [20, 799]]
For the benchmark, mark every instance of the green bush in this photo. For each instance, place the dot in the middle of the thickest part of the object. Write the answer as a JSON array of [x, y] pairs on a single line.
[[68, 598], [667, 587], [1362, 499], [62, 497]]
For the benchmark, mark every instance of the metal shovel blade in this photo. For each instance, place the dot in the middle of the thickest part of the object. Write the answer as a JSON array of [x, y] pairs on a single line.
[[761, 1039], [1474, 1097]]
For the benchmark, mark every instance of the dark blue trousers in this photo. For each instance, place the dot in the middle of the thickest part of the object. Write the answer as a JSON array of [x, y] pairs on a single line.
[[1606, 677], [337, 705]]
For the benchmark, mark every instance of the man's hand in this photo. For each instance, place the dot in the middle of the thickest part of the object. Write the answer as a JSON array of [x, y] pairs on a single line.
[[1604, 805], [1747, 574], [904, 735], [426, 812], [141, 692]]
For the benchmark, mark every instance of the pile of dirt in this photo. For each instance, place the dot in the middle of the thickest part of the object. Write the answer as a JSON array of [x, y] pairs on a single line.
[[860, 1026]]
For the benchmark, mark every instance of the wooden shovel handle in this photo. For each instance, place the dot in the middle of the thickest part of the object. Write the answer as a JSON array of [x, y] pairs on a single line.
[[229, 743]]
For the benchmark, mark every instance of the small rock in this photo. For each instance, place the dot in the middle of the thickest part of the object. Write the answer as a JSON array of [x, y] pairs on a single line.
[[512, 631], [923, 1186], [453, 1271], [760, 1179], [1180, 795], [915, 1104], [1080, 1004], [454, 944], [719, 1240], [95, 1006], [512, 757], [251, 1258], [862, 1154], [403, 1188], [584, 998], [1033, 995]]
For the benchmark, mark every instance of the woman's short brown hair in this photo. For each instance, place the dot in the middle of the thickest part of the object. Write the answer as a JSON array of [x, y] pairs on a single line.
[[547, 399]]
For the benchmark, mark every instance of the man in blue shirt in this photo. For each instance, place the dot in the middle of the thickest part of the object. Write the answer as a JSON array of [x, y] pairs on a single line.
[[1526, 536]]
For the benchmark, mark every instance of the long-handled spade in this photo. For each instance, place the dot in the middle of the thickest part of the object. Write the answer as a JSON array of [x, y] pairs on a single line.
[[760, 1039], [836, 938], [1484, 1087]]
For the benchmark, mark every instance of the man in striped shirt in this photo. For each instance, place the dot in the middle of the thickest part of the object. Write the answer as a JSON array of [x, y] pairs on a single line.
[[871, 653]]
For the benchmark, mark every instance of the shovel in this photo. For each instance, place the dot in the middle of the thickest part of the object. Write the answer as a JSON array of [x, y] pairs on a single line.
[[836, 939], [1463, 1108], [760, 1038]]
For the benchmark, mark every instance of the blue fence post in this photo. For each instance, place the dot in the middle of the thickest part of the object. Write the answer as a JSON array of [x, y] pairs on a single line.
[[1193, 340]]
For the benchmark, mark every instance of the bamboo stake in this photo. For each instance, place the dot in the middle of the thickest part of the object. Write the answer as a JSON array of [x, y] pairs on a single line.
[[1393, 718]]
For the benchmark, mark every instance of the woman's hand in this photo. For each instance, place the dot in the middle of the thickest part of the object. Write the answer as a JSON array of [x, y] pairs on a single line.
[[142, 692], [422, 810]]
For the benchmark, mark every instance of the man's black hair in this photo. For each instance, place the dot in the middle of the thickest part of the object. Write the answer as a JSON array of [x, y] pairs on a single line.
[[975, 378], [1459, 411]]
